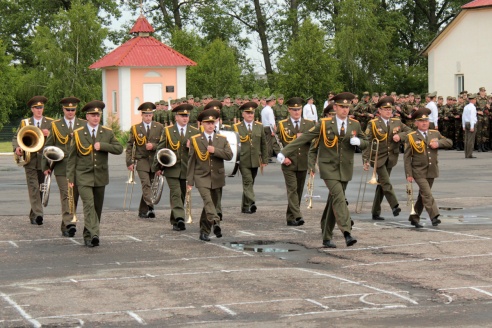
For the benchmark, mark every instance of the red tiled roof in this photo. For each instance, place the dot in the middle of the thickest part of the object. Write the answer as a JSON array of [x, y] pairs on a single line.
[[142, 25], [144, 52], [477, 4]]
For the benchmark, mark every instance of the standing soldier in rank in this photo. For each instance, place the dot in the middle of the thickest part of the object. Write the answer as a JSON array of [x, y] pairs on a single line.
[[61, 137], [140, 152], [483, 109], [295, 164], [387, 132], [32, 166], [176, 139], [228, 113], [280, 110], [253, 154], [447, 118], [208, 151], [87, 167]]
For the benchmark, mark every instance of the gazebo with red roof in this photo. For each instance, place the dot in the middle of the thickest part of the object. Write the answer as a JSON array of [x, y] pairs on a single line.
[[142, 69]]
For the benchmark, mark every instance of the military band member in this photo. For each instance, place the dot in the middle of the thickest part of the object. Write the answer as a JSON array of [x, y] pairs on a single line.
[[253, 154], [295, 164], [140, 151], [33, 169], [335, 143], [421, 164], [175, 138], [208, 151], [61, 137], [388, 132], [87, 167]]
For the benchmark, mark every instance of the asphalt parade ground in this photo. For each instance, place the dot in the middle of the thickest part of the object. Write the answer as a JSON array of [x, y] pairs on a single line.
[[262, 273]]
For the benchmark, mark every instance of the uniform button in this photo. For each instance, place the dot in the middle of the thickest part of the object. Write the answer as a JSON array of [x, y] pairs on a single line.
[[95, 164]]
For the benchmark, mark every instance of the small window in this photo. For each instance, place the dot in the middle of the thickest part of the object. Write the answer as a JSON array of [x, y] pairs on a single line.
[[460, 83], [115, 102]]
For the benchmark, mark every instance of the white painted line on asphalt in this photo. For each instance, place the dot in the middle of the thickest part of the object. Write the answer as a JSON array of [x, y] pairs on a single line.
[[317, 303], [349, 310], [247, 233], [13, 244], [396, 294], [221, 246], [136, 317], [74, 241], [267, 301], [450, 298], [295, 229], [419, 260], [21, 311], [465, 287], [440, 230], [226, 310], [73, 280], [136, 239], [481, 291]]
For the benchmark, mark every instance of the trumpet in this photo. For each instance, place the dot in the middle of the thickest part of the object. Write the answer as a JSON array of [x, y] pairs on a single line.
[[310, 190], [71, 203], [53, 154], [410, 198], [373, 180], [189, 219]]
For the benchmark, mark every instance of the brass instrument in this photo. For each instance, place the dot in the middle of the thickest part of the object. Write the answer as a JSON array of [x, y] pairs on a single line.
[[53, 154], [279, 143], [166, 158], [373, 180], [131, 180], [30, 139], [189, 219], [156, 189], [410, 198], [310, 190], [71, 203]]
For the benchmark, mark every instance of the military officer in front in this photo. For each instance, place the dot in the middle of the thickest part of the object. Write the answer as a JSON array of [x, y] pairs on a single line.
[[336, 139], [140, 151], [386, 132], [87, 167], [176, 139], [254, 154], [421, 164], [295, 164], [33, 169], [208, 151], [61, 137]]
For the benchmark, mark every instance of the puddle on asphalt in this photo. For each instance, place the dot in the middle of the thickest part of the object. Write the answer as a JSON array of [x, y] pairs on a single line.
[[262, 246], [450, 208]]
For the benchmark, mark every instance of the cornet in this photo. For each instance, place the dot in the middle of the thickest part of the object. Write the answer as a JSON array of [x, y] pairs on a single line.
[[410, 198]]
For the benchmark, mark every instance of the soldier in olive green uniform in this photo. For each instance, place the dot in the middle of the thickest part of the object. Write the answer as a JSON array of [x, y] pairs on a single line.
[[362, 109], [421, 165], [458, 129], [280, 110], [33, 170], [253, 154], [388, 132], [295, 165], [446, 117], [175, 138], [208, 151], [140, 152], [61, 137], [335, 143], [228, 112], [87, 167], [483, 108]]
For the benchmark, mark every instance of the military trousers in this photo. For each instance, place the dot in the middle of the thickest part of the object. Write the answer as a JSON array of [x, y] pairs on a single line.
[[482, 129], [61, 181], [248, 175], [294, 182], [425, 198], [469, 140], [209, 216], [146, 199], [269, 140], [337, 209], [177, 194], [92, 200], [383, 189], [34, 178]]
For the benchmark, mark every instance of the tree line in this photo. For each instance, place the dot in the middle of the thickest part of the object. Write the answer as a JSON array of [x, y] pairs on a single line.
[[308, 47]]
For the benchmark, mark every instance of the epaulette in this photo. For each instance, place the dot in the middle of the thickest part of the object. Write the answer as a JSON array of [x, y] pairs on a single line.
[[78, 129], [221, 135], [193, 128], [236, 124], [306, 119], [259, 123], [284, 120], [395, 118], [58, 120], [353, 119], [434, 130], [413, 132], [226, 125], [105, 127], [170, 126], [327, 118], [196, 135], [48, 118], [374, 119]]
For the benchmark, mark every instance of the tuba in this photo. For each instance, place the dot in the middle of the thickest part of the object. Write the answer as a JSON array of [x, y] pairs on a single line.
[[53, 154], [30, 139], [166, 158]]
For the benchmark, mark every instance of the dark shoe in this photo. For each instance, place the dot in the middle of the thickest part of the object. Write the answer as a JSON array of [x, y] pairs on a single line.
[[143, 215], [217, 231], [299, 221], [471, 157], [246, 211], [71, 230], [435, 221], [151, 213], [220, 216], [39, 220], [33, 220], [88, 243], [181, 224], [484, 149], [294, 223], [176, 228], [396, 210], [349, 240], [328, 244], [95, 241], [204, 237], [377, 217], [252, 208], [414, 220], [351, 222]]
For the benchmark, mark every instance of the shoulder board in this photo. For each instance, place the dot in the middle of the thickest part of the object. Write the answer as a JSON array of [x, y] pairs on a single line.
[[307, 120], [413, 132], [193, 128], [353, 119], [395, 119], [327, 118], [196, 135], [221, 135], [58, 120], [284, 120], [259, 123], [48, 118], [433, 130], [236, 124], [105, 127], [76, 130], [373, 120], [226, 125]]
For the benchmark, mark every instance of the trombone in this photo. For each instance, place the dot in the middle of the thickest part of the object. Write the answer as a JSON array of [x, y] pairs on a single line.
[[310, 190], [131, 180], [71, 203], [374, 181], [189, 219], [410, 198]]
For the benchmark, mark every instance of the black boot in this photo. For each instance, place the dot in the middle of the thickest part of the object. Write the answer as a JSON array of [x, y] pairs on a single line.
[[484, 148], [479, 148]]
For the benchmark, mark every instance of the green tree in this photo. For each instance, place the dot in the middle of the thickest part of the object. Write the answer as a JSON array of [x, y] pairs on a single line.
[[308, 67], [9, 84]]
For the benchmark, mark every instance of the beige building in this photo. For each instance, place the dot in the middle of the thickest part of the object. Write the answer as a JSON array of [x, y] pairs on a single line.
[[460, 55]]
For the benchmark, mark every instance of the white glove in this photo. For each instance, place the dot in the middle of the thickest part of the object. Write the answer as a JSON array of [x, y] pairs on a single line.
[[280, 158], [355, 141]]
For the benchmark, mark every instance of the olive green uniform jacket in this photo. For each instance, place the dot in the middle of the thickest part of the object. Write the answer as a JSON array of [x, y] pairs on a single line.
[[144, 157]]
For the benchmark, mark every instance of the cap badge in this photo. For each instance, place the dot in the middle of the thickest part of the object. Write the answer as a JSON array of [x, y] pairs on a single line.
[[211, 118], [185, 111], [345, 101]]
